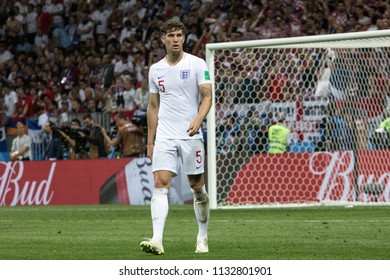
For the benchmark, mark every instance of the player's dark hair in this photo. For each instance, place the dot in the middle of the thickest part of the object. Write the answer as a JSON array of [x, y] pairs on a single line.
[[172, 24]]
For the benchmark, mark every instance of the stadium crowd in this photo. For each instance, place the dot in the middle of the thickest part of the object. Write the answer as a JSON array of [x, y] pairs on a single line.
[[63, 59]]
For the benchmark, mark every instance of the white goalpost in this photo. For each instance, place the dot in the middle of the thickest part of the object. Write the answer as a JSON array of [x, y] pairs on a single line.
[[333, 90]]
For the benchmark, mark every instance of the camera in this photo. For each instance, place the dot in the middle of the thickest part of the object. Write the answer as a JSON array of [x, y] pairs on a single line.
[[76, 131], [56, 130]]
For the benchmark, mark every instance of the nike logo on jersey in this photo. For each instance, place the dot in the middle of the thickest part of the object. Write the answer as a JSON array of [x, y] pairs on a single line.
[[159, 77]]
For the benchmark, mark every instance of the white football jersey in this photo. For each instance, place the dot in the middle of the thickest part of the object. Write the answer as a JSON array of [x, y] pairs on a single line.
[[179, 94]]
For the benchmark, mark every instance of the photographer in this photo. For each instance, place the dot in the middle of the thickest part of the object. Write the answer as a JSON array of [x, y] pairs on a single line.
[[129, 138], [97, 147], [77, 143]]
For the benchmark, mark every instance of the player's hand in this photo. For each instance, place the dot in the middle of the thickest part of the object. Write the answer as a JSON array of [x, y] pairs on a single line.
[[193, 128]]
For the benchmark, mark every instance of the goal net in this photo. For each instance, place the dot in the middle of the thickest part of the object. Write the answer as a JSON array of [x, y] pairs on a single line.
[[332, 91]]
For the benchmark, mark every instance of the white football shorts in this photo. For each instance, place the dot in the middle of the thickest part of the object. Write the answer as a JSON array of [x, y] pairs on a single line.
[[172, 154]]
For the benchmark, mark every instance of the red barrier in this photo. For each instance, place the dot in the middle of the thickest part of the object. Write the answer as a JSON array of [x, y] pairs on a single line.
[[313, 177], [73, 182], [56, 182]]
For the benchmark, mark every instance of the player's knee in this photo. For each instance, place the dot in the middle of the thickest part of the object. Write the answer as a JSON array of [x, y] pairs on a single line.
[[161, 183], [196, 181]]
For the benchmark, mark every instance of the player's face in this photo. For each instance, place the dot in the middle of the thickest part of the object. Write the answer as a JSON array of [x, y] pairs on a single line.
[[174, 41]]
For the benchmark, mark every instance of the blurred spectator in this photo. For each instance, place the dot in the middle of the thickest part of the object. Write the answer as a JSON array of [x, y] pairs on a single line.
[[109, 100], [10, 104], [64, 101], [12, 28], [24, 106], [85, 28], [340, 13], [144, 76], [64, 113], [124, 65], [115, 20], [53, 113], [341, 134], [5, 54], [92, 107], [45, 90], [71, 29], [31, 23], [139, 64], [45, 20], [142, 96], [35, 99], [118, 102], [60, 37], [70, 73], [21, 145], [156, 52], [228, 134], [107, 71], [23, 46], [83, 89], [56, 9], [22, 6], [127, 31], [89, 95], [362, 16], [41, 40], [77, 106], [128, 94], [100, 17]]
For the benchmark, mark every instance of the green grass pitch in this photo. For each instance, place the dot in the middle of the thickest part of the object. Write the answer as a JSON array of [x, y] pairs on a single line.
[[113, 232]]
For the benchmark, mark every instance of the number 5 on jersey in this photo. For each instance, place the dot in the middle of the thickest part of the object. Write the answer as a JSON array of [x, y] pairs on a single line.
[[198, 160], [161, 85]]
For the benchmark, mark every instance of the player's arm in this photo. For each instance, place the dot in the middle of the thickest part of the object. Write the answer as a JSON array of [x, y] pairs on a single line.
[[205, 91], [152, 118]]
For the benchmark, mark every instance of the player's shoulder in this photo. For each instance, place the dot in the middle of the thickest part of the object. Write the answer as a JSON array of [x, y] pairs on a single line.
[[159, 64], [193, 58]]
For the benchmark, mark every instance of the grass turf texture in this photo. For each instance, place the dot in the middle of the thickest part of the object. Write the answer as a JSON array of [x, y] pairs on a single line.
[[113, 232]]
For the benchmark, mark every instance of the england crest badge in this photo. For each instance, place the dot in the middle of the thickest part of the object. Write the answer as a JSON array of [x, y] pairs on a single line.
[[184, 74]]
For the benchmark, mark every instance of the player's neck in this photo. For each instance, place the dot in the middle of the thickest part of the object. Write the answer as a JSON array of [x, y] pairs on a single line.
[[174, 58]]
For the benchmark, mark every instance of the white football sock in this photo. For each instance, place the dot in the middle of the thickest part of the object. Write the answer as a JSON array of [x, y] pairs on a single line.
[[159, 208], [202, 211]]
